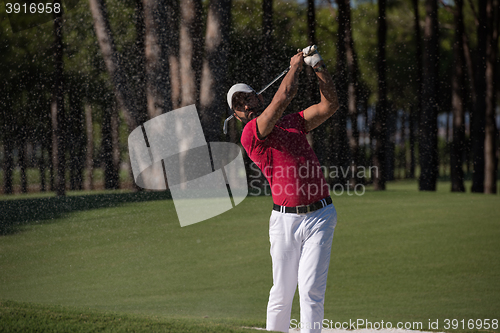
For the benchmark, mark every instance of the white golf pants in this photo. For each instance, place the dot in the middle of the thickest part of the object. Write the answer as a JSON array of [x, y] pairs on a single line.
[[300, 251]]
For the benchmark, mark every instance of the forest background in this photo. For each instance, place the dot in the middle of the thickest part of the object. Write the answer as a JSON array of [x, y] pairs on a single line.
[[417, 82]]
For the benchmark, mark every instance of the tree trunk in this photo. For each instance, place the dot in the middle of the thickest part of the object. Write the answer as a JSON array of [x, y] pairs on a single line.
[[458, 87], [115, 145], [413, 122], [415, 116], [22, 164], [490, 140], [139, 59], [390, 142], [340, 158], [76, 137], [8, 143], [190, 51], [352, 91], [8, 165], [470, 102], [428, 120], [312, 85], [380, 128], [41, 165], [89, 159], [363, 95], [52, 159], [267, 41], [124, 93], [406, 156], [479, 115], [470, 80], [58, 116], [311, 24], [175, 78], [158, 88], [110, 172], [139, 79], [173, 53], [215, 67]]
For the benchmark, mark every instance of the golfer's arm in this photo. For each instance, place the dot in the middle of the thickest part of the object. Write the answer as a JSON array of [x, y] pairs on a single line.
[[316, 114], [283, 97]]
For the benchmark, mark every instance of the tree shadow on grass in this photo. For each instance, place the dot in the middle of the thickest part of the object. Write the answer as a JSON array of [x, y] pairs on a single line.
[[16, 213]]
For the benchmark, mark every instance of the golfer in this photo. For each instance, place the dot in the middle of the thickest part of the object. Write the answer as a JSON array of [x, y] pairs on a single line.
[[303, 217]]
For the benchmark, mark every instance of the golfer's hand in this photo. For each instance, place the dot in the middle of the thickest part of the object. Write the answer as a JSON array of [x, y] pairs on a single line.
[[312, 58], [297, 61]]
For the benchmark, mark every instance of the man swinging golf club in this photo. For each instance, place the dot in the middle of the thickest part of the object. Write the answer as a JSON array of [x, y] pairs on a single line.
[[303, 218]]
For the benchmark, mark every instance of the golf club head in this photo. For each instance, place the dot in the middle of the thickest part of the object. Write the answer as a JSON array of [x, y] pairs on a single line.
[[225, 123]]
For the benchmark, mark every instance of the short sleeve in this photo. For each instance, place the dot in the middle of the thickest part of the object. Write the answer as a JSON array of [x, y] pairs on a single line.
[[249, 139], [301, 122]]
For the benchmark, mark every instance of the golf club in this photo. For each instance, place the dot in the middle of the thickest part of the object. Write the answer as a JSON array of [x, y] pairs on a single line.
[[311, 50]]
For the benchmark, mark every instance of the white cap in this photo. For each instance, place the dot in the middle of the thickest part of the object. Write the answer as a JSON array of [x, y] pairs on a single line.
[[239, 87]]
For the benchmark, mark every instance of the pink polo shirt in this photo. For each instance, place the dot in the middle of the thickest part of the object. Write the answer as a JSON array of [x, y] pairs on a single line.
[[287, 161]]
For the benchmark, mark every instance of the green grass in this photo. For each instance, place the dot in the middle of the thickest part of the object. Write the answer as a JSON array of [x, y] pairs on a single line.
[[397, 255], [26, 317]]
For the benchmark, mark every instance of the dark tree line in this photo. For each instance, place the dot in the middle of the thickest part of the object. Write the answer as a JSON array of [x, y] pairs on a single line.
[[187, 53]]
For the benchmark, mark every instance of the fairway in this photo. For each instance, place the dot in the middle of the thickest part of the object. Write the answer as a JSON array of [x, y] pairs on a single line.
[[398, 255]]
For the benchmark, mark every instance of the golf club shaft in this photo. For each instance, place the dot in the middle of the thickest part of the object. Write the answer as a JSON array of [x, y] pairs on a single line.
[[311, 51], [276, 79]]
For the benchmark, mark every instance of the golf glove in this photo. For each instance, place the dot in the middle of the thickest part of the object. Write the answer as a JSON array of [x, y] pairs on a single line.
[[311, 55]]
